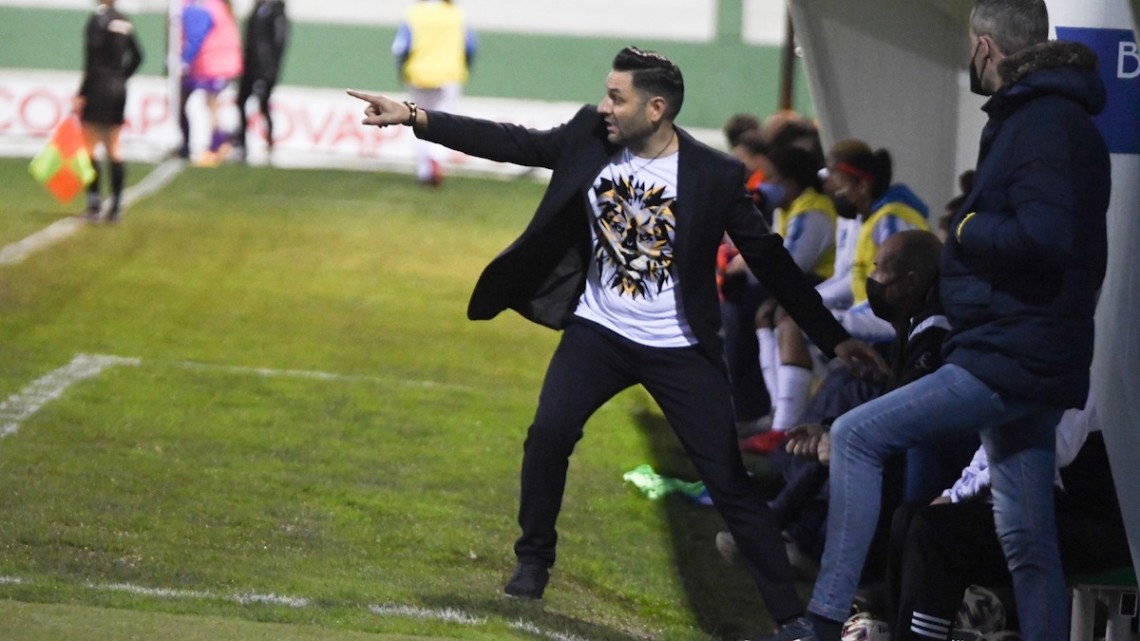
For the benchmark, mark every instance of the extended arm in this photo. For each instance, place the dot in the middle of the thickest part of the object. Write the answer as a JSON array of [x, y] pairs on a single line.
[[501, 142], [778, 272]]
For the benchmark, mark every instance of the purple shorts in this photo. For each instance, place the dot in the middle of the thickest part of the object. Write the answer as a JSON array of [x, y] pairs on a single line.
[[211, 84]]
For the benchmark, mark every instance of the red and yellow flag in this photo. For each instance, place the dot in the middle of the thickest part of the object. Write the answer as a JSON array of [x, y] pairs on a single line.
[[63, 166]]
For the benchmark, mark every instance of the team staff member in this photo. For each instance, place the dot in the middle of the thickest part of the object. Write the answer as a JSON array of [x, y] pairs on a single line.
[[434, 49], [621, 255], [266, 33]]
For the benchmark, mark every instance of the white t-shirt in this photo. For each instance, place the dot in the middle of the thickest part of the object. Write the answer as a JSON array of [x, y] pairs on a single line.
[[631, 286]]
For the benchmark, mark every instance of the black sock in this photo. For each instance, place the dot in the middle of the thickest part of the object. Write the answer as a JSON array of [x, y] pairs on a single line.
[[825, 629], [93, 190], [118, 177]]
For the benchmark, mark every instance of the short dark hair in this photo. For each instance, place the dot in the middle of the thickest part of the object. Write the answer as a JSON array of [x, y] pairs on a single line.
[[737, 125], [793, 132], [877, 165], [1013, 24], [845, 149], [919, 251], [800, 165], [655, 75], [753, 142]]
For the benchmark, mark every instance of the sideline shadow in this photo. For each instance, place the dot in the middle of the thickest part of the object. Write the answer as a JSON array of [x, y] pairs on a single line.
[[545, 623], [721, 595]]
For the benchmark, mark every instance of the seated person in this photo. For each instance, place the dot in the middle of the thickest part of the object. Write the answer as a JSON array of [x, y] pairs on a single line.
[[806, 221], [903, 288], [861, 183], [786, 128], [836, 291], [736, 125], [937, 550], [751, 150]]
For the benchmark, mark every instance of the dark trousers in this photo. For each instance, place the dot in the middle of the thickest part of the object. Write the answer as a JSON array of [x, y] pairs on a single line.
[[742, 352], [261, 88], [936, 552], [590, 366]]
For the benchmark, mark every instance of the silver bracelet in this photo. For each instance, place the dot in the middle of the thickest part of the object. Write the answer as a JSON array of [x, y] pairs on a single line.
[[413, 111]]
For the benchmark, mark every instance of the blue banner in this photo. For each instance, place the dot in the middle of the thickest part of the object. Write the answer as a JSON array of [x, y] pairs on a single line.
[[1119, 123]]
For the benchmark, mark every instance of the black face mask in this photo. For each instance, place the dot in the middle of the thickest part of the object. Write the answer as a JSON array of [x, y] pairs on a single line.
[[976, 76], [877, 298], [844, 207]]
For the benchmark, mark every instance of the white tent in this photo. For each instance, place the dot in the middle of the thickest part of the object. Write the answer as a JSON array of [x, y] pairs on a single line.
[[892, 72]]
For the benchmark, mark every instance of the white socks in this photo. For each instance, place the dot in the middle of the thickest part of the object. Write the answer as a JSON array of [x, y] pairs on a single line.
[[794, 384], [769, 360]]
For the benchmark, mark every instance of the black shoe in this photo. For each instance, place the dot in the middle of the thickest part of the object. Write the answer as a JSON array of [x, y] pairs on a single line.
[[799, 630], [528, 582]]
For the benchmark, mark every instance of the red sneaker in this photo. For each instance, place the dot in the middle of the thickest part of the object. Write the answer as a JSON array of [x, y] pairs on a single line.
[[762, 443]]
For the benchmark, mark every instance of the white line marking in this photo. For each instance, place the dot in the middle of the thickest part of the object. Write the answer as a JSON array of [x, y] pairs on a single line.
[[23, 404], [161, 593], [274, 599], [315, 375], [158, 178], [167, 593], [531, 628], [411, 611], [17, 252], [448, 615]]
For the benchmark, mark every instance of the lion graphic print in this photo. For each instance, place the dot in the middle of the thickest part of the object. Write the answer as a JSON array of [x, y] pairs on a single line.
[[633, 236], [632, 281]]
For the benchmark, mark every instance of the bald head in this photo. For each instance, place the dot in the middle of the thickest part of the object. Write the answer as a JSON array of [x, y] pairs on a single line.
[[915, 251]]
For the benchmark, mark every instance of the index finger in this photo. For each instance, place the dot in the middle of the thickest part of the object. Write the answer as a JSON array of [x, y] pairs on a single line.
[[367, 97]]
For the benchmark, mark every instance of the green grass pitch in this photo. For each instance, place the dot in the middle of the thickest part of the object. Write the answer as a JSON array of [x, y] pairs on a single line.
[[301, 436]]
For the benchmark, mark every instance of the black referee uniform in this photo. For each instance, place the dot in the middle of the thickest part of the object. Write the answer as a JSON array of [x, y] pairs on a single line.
[[111, 56]]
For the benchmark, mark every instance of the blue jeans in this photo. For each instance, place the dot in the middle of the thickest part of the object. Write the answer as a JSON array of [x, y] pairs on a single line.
[[1020, 444]]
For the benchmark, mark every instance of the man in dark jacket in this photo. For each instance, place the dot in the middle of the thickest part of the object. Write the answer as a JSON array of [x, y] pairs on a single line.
[[1020, 272], [266, 32], [621, 255]]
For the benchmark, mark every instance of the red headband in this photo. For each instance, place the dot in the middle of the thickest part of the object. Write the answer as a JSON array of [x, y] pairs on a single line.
[[854, 171]]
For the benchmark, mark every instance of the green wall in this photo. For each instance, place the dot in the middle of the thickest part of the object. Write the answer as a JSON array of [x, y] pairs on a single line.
[[721, 78]]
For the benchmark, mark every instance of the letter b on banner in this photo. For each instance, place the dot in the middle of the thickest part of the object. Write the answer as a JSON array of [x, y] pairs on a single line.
[[1127, 61], [1119, 123]]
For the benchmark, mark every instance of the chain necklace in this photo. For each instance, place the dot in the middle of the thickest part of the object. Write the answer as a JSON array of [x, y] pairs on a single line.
[[634, 170]]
